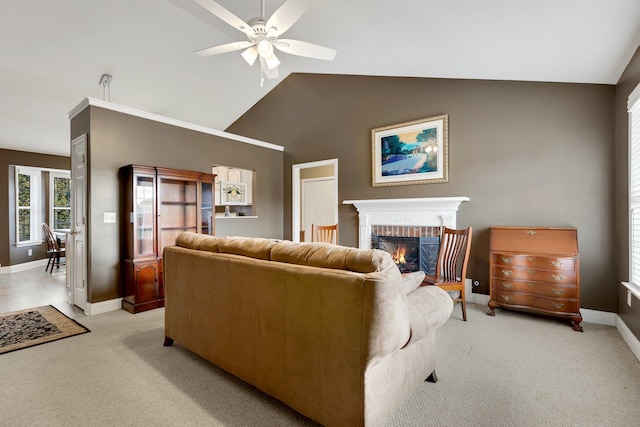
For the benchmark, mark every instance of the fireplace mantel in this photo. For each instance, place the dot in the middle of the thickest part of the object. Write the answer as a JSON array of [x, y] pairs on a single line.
[[432, 211]]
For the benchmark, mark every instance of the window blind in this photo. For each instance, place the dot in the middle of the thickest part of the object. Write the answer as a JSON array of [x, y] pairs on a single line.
[[634, 188]]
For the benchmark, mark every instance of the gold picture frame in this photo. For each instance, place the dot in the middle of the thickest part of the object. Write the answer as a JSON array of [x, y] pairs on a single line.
[[415, 152]]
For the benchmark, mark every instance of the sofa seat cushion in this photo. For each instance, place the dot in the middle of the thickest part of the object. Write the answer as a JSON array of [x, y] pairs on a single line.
[[429, 308]]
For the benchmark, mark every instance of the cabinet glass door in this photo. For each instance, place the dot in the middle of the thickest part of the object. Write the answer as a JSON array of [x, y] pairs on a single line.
[[144, 215], [178, 202], [207, 210]]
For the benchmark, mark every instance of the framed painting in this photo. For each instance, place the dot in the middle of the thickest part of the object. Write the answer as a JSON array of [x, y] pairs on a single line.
[[414, 152], [233, 193]]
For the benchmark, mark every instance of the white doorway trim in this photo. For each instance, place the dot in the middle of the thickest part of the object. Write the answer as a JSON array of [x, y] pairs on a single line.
[[296, 197]]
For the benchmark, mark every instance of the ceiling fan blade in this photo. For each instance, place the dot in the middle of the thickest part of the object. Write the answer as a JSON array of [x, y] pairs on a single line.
[[310, 50], [269, 73], [286, 15], [226, 16], [223, 48]]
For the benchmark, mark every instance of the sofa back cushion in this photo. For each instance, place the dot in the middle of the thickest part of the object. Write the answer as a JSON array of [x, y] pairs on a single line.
[[324, 255]]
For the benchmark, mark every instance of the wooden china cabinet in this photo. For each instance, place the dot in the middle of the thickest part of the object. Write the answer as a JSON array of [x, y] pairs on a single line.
[[158, 204]]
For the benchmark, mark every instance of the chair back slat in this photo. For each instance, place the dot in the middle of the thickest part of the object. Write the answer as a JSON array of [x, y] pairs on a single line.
[[453, 255], [324, 233], [50, 239]]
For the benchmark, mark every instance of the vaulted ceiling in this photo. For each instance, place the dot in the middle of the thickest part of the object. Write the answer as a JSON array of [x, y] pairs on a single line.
[[53, 53]]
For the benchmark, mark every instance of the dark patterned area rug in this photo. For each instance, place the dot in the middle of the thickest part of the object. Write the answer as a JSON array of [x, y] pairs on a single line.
[[34, 326]]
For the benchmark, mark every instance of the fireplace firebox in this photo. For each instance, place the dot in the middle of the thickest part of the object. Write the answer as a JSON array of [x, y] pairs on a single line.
[[410, 253]]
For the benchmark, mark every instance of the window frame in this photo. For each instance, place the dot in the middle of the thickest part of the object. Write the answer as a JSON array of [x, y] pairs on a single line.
[[35, 206], [53, 174], [633, 180]]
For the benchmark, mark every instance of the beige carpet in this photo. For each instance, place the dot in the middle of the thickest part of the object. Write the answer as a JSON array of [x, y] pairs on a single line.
[[508, 370]]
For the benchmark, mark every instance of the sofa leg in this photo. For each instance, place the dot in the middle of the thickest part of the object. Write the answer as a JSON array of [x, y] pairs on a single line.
[[433, 378], [168, 342]]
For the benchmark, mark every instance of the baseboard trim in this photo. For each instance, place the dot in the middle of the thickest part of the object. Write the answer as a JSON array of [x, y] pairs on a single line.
[[8, 269], [628, 337], [91, 309], [598, 317]]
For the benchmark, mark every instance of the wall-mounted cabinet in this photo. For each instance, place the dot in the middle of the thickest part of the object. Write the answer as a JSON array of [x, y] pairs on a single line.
[[234, 191], [158, 204]]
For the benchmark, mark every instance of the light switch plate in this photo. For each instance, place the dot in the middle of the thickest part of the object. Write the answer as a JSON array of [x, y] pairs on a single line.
[[109, 217]]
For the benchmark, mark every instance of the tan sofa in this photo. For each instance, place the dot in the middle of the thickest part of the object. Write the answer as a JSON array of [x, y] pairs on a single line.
[[326, 329]]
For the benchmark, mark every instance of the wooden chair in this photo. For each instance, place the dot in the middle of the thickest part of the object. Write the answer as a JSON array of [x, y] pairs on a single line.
[[53, 248], [451, 267], [324, 233]]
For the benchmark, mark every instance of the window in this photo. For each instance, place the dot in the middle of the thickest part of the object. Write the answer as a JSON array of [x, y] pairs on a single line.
[[28, 207], [634, 192], [60, 200]]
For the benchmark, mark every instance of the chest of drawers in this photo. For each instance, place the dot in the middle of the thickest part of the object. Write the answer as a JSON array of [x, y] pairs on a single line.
[[535, 269]]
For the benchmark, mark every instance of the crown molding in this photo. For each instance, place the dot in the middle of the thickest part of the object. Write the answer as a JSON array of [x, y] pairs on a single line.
[[94, 102]]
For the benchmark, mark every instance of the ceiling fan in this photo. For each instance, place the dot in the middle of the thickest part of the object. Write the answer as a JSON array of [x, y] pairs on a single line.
[[264, 36]]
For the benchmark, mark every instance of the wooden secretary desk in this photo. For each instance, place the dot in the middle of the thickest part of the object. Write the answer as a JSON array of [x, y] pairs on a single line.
[[157, 205], [536, 269]]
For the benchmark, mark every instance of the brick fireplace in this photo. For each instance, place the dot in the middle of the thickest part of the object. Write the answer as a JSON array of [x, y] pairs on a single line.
[[407, 228], [405, 216]]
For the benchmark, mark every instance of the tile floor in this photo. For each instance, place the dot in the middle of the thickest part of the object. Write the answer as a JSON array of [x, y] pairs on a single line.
[[34, 288]]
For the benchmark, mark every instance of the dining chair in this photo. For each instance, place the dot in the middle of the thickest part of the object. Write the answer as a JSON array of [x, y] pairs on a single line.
[[53, 248], [324, 233], [451, 267]]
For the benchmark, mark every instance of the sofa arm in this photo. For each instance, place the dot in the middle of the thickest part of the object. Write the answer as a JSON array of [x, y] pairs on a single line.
[[429, 308]]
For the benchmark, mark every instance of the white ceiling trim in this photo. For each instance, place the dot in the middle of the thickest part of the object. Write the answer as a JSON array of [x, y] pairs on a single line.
[[167, 120]]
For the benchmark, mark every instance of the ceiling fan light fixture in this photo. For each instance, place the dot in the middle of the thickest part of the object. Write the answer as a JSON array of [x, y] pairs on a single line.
[[272, 61], [250, 55], [265, 49]]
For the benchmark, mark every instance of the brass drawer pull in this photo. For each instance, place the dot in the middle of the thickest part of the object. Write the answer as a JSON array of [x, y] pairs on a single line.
[[506, 273], [557, 304], [531, 285], [506, 285], [531, 259], [557, 277], [556, 263], [531, 271], [506, 298], [557, 291], [531, 232], [506, 260]]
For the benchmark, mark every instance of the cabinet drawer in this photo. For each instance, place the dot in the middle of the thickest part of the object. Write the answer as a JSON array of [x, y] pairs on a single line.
[[537, 262], [557, 305], [536, 288], [531, 274]]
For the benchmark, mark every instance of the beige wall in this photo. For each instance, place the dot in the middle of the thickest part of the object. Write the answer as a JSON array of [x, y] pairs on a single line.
[[117, 139], [526, 153], [628, 81]]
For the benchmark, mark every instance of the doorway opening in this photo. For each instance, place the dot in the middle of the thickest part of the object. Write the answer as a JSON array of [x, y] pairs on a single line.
[[314, 197]]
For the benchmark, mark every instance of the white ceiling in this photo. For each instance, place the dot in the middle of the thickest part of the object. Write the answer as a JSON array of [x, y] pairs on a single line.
[[53, 53]]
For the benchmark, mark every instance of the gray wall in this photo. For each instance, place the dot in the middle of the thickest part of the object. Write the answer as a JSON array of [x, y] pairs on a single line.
[[526, 153], [628, 81], [117, 139], [10, 254]]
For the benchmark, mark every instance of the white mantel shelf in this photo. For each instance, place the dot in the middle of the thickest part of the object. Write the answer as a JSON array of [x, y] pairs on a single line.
[[429, 212]]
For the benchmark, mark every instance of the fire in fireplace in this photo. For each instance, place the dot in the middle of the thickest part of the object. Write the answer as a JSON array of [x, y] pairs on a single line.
[[409, 253]]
